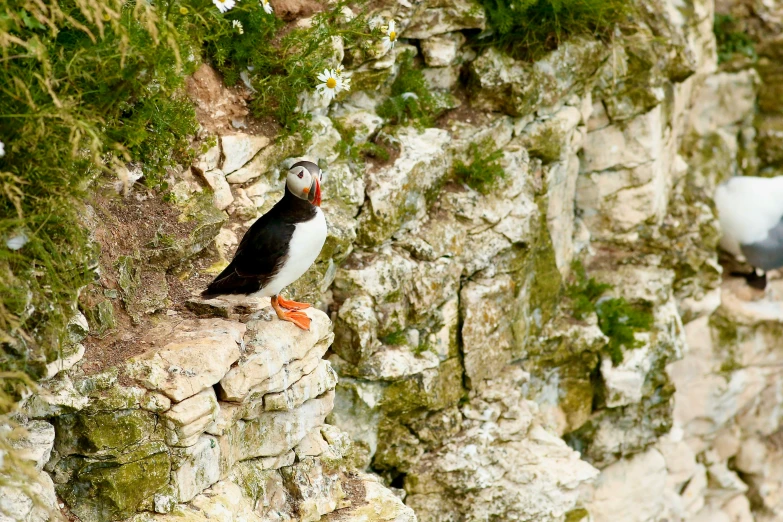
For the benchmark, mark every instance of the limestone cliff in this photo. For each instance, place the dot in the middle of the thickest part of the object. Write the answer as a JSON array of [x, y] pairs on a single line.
[[558, 345]]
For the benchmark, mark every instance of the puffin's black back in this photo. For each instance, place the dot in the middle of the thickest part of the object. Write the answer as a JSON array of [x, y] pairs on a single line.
[[263, 249]]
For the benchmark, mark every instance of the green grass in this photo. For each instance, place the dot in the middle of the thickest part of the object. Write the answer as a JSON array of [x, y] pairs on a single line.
[[483, 171], [528, 28], [618, 319], [398, 338], [84, 89], [411, 99], [731, 40]]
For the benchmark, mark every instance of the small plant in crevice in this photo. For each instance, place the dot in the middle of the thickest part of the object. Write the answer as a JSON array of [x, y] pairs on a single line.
[[484, 170], [348, 149], [412, 99], [731, 40], [618, 319], [583, 291], [398, 338], [528, 28]]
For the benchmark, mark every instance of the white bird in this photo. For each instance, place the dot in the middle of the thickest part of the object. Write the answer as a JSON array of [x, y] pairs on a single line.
[[750, 210]]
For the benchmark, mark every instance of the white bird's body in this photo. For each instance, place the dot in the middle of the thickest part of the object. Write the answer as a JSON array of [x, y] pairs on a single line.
[[306, 243], [750, 210]]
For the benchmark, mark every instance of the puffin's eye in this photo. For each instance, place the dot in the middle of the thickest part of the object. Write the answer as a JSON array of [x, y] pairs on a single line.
[[301, 174]]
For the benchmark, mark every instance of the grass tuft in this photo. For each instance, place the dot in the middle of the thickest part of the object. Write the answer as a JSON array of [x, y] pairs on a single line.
[[731, 40], [412, 99], [356, 153], [526, 29], [483, 171]]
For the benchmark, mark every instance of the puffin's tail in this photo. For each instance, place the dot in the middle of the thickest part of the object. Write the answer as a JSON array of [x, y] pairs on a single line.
[[230, 282]]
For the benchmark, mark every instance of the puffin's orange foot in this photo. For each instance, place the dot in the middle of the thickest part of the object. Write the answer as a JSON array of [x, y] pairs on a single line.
[[300, 319], [291, 305]]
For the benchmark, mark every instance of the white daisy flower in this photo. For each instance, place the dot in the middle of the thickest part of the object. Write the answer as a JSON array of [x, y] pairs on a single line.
[[238, 26], [2, 149], [332, 83], [345, 77], [391, 35], [346, 82], [267, 7], [224, 5]]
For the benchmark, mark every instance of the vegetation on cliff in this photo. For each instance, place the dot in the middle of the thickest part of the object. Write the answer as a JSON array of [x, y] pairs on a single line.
[[529, 28], [617, 318]]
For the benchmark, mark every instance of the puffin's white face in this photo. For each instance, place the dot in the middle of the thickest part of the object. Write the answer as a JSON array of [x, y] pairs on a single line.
[[304, 181]]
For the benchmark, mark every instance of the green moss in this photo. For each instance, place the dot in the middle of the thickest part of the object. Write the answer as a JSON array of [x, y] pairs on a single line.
[[576, 390], [545, 281], [168, 251], [583, 292], [727, 331], [103, 433], [370, 80], [727, 337], [254, 480], [431, 390], [483, 171], [528, 28], [350, 150], [115, 489], [545, 144], [730, 365], [731, 39], [411, 100], [577, 515], [618, 319], [101, 318], [398, 449]]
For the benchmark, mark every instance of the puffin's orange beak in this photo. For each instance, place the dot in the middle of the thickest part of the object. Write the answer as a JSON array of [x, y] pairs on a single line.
[[317, 198]]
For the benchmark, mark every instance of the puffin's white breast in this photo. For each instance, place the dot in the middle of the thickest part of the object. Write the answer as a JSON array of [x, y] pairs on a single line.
[[306, 243]]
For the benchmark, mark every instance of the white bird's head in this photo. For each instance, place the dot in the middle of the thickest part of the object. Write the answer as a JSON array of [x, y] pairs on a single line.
[[304, 181]]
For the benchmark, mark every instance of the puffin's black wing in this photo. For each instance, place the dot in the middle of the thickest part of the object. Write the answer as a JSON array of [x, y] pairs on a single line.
[[260, 255]]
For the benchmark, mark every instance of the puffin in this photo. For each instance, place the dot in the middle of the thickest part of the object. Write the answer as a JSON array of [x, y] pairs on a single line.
[[750, 211], [279, 247]]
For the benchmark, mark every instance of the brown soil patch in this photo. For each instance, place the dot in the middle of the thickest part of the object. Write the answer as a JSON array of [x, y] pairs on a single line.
[[218, 106], [290, 10], [124, 225], [372, 163], [465, 113]]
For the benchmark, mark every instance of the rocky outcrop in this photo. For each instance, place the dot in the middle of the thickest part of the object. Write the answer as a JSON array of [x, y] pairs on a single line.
[[217, 418]]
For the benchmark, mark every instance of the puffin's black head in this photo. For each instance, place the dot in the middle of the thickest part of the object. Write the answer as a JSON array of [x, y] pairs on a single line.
[[304, 181]]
